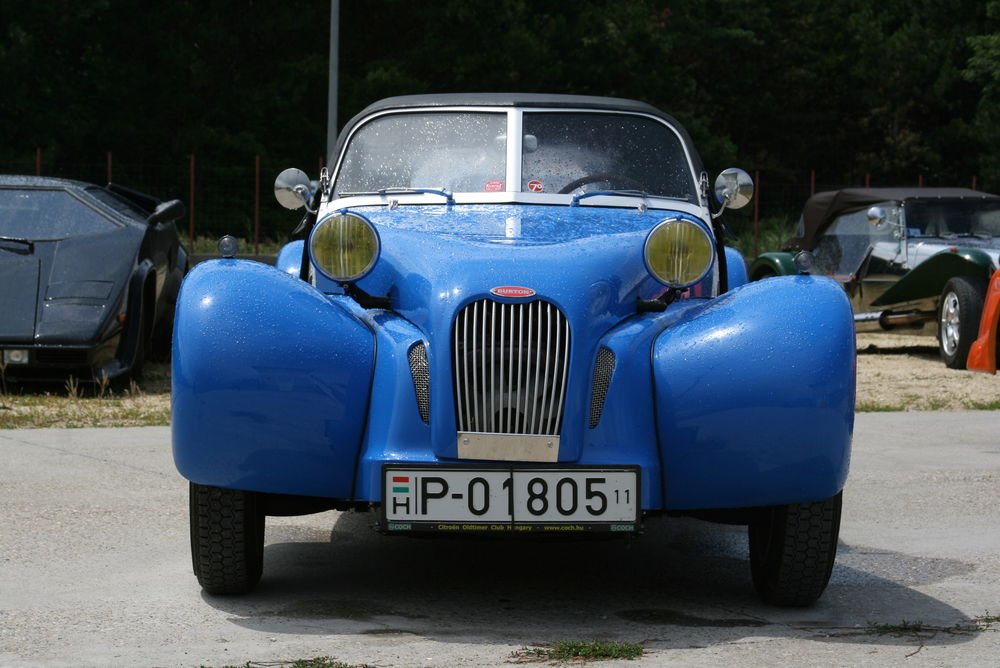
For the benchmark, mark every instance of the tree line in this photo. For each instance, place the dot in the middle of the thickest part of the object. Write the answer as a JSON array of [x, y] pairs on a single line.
[[900, 89]]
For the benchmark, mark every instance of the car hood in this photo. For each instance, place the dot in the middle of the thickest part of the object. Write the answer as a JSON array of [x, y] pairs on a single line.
[[586, 260], [64, 291]]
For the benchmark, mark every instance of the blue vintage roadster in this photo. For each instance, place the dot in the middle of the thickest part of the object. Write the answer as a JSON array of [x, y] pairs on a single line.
[[513, 314]]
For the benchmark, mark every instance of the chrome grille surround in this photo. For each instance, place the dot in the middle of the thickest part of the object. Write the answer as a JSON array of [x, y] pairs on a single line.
[[510, 368], [417, 356], [603, 369]]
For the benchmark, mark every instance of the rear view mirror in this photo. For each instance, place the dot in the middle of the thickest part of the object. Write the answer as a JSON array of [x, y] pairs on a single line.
[[292, 189]]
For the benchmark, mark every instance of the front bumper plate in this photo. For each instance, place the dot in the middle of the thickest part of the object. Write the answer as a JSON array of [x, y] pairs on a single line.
[[509, 499]]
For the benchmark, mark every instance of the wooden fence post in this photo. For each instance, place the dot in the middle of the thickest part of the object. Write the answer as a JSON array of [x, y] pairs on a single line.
[[256, 206], [191, 201]]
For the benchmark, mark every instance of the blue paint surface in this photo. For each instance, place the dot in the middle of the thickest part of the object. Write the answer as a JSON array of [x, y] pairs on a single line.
[[738, 400]]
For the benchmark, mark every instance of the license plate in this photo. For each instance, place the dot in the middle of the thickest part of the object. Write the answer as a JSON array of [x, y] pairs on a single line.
[[457, 499]]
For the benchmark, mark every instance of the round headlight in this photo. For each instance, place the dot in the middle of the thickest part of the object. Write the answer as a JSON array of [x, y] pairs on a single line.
[[344, 246], [679, 252]]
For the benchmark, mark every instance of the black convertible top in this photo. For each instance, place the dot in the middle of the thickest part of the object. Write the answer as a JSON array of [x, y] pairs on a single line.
[[822, 208], [527, 100]]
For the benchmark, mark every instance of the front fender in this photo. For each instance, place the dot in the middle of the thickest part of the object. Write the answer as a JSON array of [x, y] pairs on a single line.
[[927, 279], [755, 396], [772, 264], [271, 381]]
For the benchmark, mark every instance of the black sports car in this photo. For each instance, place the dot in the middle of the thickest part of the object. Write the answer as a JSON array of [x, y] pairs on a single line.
[[88, 278]]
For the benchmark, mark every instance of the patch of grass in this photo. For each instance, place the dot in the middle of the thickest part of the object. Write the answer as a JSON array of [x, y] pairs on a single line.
[[316, 662], [574, 650], [987, 622], [904, 628], [985, 405], [979, 624], [78, 404], [875, 407]]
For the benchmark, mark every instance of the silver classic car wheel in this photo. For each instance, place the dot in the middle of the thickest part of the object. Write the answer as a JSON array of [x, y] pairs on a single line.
[[792, 549], [227, 539], [959, 311]]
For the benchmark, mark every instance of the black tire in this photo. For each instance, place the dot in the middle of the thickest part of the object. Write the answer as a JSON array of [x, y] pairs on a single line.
[[959, 311], [792, 550], [227, 539]]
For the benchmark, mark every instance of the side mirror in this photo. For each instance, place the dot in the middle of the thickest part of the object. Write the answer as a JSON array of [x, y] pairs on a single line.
[[876, 216], [733, 189], [166, 211], [292, 189]]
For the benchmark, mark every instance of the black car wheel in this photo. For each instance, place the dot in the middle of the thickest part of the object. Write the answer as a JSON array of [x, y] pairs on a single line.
[[227, 539], [959, 312], [792, 550]]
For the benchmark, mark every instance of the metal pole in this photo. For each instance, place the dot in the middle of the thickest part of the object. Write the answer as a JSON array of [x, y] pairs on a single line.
[[812, 182], [868, 180], [920, 181], [331, 105], [974, 182], [109, 166]]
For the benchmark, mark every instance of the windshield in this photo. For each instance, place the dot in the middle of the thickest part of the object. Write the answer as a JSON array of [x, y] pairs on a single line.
[[42, 215], [946, 218], [847, 242], [458, 151], [586, 152], [562, 153]]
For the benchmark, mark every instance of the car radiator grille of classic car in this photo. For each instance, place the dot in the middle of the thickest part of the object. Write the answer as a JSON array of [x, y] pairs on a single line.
[[510, 366]]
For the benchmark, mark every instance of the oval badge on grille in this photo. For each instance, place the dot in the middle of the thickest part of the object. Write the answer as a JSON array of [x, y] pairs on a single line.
[[513, 292]]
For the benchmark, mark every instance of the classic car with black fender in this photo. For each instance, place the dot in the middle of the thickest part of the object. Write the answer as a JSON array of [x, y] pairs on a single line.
[[907, 257], [513, 315]]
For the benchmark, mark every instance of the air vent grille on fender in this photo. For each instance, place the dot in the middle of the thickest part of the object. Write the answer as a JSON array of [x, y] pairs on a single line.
[[602, 380]]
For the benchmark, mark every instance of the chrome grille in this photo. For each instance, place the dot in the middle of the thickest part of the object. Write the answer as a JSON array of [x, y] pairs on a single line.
[[602, 380], [420, 372], [510, 365]]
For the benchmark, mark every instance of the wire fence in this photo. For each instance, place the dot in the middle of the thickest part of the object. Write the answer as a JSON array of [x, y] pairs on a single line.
[[235, 197]]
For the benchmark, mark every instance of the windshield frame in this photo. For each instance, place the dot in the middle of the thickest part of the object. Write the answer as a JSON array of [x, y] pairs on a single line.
[[513, 168]]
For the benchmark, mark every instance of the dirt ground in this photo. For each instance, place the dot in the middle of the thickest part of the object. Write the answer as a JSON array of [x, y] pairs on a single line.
[[902, 372]]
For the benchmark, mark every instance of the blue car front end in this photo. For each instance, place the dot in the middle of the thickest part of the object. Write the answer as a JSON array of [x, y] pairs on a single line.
[[495, 339]]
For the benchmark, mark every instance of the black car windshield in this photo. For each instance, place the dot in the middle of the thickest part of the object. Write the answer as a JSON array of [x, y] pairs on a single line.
[[953, 217], [581, 152], [42, 215]]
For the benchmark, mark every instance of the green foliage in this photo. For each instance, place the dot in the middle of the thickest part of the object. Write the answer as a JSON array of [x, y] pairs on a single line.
[[770, 235], [897, 89]]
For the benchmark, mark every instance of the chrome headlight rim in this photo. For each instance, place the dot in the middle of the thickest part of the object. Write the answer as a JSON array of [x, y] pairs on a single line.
[[680, 220], [326, 222]]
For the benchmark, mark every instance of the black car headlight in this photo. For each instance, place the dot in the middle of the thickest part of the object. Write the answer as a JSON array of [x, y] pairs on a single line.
[[679, 252], [344, 246]]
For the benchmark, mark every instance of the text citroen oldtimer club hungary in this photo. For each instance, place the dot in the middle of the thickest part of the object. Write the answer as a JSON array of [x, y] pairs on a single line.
[[513, 314]]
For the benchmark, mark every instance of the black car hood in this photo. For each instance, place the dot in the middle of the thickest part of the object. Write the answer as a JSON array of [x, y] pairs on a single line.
[[66, 291]]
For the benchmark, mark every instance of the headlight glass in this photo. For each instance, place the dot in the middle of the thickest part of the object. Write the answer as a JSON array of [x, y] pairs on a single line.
[[679, 252], [344, 246]]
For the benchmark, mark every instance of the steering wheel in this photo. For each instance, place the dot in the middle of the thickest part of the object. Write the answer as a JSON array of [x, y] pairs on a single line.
[[594, 178]]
